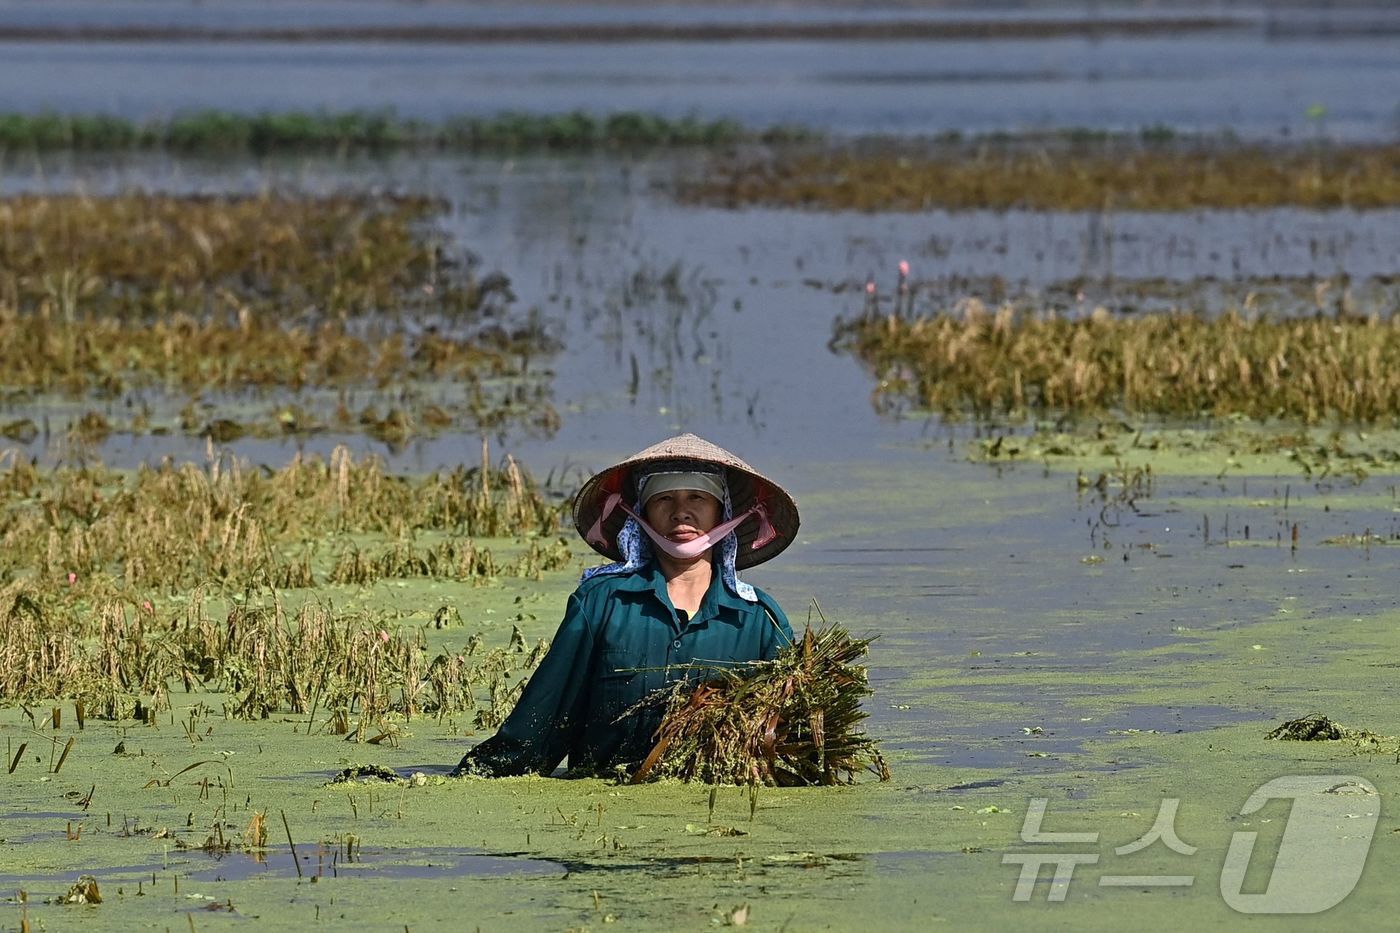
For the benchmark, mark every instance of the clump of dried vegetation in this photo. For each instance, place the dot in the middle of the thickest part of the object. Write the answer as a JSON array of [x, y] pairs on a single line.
[[1318, 728], [92, 533], [790, 721], [157, 293], [357, 672], [1097, 175], [1012, 363]]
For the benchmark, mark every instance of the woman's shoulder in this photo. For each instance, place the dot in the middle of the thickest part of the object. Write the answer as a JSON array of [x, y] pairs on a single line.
[[769, 607], [605, 584], [766, 600], [598, 598]]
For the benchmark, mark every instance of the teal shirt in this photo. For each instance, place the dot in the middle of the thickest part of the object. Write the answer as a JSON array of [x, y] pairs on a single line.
[[620, 640]]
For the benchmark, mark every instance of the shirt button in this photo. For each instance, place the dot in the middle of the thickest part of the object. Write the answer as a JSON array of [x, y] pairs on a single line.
[[676, 643]]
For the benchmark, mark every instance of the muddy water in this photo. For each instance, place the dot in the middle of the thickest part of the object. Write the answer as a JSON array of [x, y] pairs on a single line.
[[1034, 640]]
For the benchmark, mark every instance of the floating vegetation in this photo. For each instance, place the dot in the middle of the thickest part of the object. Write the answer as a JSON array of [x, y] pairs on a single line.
[[89, 532], [1059, 176], [1319, 453], [1008, 363], [356, 670], [790, 721], [225, 133], [361, 773]]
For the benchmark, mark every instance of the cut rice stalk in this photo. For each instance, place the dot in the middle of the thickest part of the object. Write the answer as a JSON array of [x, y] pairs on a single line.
[[794, 720]]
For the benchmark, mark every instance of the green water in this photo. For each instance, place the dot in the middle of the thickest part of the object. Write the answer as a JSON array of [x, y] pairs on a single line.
[[1008, 668]]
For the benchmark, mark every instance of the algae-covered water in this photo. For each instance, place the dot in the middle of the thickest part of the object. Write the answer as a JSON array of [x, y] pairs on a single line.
[[1035, 643]]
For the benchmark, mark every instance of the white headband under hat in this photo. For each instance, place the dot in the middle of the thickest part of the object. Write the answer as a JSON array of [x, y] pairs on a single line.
[[656, 483]]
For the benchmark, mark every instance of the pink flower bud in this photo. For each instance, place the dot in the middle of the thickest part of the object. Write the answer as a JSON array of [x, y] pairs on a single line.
[[72, 578]]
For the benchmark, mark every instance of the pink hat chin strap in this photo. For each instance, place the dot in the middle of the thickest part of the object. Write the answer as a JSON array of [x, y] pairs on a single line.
[[685, 550]]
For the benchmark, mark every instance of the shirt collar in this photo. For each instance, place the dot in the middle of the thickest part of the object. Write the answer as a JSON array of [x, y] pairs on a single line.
[[650, 579]]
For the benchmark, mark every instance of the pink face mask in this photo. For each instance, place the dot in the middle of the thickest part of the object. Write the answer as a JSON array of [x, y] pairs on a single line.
[[685, 550]]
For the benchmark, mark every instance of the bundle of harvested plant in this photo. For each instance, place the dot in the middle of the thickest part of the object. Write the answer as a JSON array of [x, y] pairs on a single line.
[[793, 720]]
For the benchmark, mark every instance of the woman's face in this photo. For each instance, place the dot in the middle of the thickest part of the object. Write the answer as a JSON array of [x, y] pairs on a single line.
[[682, 514]]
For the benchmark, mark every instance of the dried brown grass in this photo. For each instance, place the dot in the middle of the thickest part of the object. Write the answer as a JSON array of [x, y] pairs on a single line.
[[358, 672], [96, 533], [997, 363], [1062, 178], [138, 255], [193, 295]]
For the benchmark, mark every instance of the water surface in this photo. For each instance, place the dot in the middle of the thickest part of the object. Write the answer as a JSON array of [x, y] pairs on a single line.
[[1275, 74]]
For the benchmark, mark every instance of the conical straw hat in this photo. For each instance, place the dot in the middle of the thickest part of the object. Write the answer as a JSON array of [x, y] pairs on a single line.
[[747, 487]]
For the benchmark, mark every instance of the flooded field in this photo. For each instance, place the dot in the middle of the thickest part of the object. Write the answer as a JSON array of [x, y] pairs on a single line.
[[1087, 617], [1103, 617]]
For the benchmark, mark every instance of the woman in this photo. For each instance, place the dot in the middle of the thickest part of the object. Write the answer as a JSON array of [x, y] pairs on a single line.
[[678, 519]]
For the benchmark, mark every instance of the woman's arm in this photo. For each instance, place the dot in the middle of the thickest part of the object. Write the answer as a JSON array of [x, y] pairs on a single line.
[[539, 731]]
